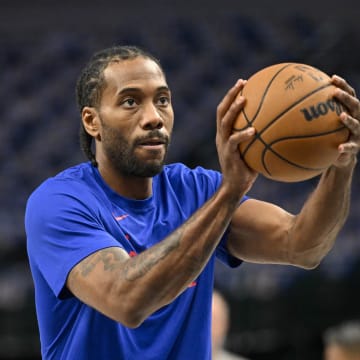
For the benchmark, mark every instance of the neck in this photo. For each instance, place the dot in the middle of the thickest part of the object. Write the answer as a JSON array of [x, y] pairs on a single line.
[[132, 187]]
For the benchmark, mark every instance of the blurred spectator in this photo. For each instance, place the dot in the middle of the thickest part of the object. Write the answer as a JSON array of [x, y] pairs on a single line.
[[343, 342], [220, 328]]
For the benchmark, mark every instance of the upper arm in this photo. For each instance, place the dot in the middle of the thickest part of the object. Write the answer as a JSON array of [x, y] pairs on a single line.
[[96, 280], [259, 232], [62, 230]]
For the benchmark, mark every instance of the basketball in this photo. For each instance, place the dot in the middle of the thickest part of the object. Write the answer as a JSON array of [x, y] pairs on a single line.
[[298, 128]]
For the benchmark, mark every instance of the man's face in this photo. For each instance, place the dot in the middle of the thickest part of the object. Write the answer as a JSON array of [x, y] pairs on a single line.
[[136, 118]]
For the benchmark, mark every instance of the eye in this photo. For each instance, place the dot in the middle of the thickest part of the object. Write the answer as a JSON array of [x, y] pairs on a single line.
[[129, 102], [163, 100]]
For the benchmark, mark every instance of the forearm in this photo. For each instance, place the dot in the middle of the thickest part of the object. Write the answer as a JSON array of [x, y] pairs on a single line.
[[316, 227], [170, 266], [156, 276]]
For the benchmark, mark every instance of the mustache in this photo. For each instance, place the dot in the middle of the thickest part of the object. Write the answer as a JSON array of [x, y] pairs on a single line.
[[153, 134]]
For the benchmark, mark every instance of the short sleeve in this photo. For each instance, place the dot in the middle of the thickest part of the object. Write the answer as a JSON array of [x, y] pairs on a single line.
[[62, 228]]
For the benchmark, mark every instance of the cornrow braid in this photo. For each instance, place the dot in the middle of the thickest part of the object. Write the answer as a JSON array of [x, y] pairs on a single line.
[[91, 83]]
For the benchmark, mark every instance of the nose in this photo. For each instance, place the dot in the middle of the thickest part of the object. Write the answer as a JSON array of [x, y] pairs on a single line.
[[151, 118]]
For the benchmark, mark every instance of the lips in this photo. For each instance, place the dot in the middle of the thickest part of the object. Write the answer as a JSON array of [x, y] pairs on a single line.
[[152, 142]]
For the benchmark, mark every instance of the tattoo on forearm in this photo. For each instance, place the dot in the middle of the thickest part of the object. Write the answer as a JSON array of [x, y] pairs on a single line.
[[144, 262], [110, 258]]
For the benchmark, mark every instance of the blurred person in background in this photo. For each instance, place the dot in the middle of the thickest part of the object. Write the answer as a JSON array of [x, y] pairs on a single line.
[[122, 248], [342, 342], [220, 324]]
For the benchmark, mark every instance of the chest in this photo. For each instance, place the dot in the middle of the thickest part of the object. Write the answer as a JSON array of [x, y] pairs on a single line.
[[139, 228]]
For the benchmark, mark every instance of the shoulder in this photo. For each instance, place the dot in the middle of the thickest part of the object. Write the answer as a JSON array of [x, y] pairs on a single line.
[[74, 182], [76, 174]]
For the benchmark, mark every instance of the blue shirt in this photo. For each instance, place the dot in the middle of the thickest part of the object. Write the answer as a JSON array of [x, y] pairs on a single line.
[[74, 214]]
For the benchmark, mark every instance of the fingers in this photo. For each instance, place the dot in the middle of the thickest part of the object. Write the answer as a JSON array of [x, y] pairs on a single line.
[[230, 97], [352, 124], [350, 102], [227, 112], [351, 119], [241, 136], [352, 146], [342, 84], [231, 104], [347, 96]]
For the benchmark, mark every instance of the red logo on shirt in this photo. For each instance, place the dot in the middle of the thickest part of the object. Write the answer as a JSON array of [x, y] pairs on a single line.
[[121, 217]]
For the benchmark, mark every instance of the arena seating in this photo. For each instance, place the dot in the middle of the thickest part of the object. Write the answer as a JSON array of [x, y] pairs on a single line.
[[40, 124]]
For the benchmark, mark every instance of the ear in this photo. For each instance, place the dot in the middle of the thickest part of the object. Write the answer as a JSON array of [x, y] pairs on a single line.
[[91, 121]]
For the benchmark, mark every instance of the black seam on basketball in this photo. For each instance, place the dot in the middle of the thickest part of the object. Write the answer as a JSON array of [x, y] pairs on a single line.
[[244, 127], [258, 134], [308, 136], [241, 129], [249, 122], [268, 147], [261, 100], [265, 92], [287, 161]]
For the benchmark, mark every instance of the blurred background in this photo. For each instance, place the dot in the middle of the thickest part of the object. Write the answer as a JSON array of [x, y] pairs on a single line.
[[278, 312]]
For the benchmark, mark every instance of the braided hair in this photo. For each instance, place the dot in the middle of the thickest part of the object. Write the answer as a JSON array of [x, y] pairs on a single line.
[[91, 83]]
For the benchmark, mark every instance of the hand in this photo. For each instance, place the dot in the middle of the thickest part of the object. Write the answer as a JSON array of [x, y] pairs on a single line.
[[235, 172], [351, 119]]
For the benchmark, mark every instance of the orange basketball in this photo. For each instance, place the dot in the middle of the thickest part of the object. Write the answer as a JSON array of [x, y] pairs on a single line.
[[297, 123]]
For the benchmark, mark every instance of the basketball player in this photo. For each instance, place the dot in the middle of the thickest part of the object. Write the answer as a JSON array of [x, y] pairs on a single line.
[[122, 247]]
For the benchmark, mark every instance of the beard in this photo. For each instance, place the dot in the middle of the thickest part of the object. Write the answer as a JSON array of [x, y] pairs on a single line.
[[121, 153]]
